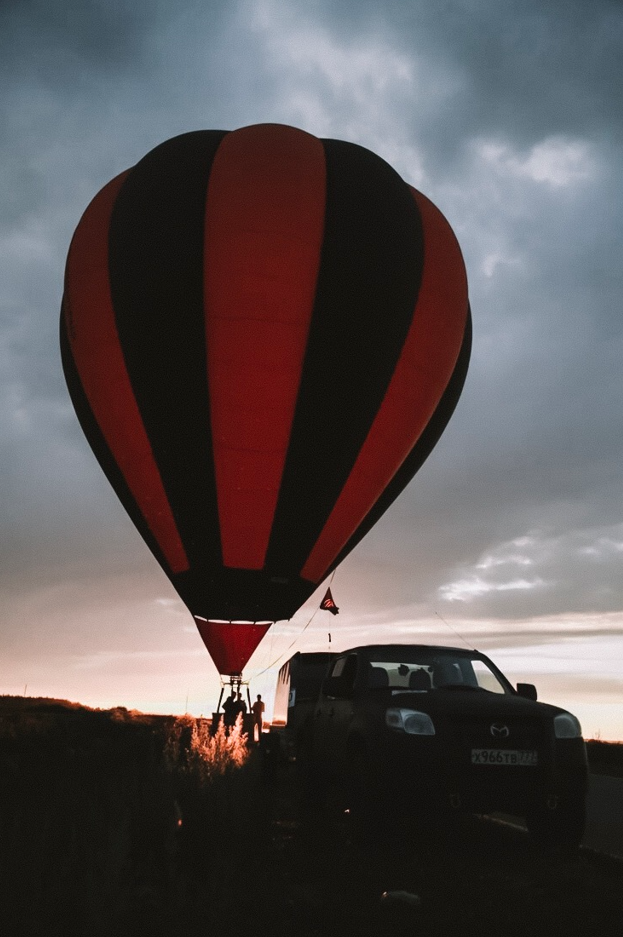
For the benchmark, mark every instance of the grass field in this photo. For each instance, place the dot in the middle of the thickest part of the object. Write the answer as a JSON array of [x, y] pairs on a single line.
[[117, 823], [605, 757]]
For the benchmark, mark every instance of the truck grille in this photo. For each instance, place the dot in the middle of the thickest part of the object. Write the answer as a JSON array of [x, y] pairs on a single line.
[[476, 733]]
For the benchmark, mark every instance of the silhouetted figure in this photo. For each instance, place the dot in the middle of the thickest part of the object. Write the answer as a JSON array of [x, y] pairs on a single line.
[[258, 716], [240, 707], [230, 711]]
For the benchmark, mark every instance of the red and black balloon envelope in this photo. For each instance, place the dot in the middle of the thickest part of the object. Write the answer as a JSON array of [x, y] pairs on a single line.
[[263, 334]]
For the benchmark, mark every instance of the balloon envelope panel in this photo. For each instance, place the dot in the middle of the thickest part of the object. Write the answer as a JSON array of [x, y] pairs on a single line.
[[231, 644], [263, 334]]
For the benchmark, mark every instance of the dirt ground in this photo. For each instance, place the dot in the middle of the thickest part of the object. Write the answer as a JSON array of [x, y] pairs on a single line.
[[477, 876]]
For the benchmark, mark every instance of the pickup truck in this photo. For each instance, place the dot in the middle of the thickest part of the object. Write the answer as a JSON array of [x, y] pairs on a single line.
[[420, 726]]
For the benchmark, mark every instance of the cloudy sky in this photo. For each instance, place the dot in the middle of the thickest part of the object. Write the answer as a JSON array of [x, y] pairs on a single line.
[[507, 114]]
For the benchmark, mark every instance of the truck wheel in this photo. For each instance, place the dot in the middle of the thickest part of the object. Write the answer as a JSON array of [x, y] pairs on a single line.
[[363, 796], [312, 785], [271, 756], [560, 828]]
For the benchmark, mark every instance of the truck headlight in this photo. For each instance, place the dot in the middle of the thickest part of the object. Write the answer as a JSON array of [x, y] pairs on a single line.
[[567, 726], [410, 721]]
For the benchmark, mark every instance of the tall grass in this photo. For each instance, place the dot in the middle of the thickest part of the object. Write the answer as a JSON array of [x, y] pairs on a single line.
[[190, 746], [114, 822]]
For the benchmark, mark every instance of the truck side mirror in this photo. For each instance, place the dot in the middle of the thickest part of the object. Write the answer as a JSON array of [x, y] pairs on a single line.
[[527, 690]]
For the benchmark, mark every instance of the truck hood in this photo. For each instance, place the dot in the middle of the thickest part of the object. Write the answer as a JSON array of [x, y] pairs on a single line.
[[474, 703]]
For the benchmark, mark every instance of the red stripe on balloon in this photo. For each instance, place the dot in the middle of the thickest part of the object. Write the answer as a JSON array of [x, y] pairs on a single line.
[[422, 373], [264, 226], [231, 643], [94, 342]]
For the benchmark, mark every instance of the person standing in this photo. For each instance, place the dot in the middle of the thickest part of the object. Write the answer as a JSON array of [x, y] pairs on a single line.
[[229, 712], [258, 717]]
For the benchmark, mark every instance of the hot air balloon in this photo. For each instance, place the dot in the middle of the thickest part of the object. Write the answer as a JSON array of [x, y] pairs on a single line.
[[263, 335]]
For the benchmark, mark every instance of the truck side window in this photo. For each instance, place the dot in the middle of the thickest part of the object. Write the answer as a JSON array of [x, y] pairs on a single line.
[[338, 667], [349, 671], [345, 669]]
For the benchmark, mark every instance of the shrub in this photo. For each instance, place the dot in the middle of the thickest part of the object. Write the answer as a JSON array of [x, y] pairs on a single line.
[[191, 747]]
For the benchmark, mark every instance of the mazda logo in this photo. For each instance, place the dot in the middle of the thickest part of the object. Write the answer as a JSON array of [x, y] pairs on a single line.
[[499, 731]]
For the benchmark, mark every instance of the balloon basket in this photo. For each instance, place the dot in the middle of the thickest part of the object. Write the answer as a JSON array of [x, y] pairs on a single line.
[[234, 683]]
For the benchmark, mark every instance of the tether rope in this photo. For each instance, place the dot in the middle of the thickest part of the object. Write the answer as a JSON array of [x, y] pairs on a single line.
[[290, 646]]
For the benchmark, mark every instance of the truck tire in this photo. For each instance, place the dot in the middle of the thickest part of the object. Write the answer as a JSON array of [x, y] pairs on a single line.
[[312, 786], [363, 796], [559, 828]]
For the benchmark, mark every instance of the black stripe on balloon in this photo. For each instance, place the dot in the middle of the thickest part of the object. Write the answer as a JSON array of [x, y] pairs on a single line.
[[156, 244], [421, 450], [367, 288], [100, 448], [250, 595]]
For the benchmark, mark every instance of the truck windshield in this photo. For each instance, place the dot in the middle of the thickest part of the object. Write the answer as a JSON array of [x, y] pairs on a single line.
[[423, 672]]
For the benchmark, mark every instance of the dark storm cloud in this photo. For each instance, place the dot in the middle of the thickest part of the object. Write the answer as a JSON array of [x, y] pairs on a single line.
[[540, 442], [70, 36], [519, 69], [52, 55]]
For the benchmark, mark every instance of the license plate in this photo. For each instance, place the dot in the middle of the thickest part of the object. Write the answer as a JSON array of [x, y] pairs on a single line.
[[503, 756]]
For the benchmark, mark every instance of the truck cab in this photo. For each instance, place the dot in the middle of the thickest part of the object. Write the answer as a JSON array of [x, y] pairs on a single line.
[[420, 726]]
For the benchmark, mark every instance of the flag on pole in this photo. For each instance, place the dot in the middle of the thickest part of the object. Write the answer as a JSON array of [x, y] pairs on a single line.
[[328, 605]]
